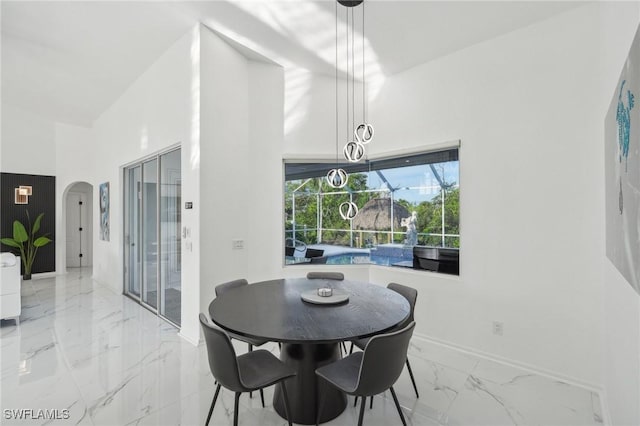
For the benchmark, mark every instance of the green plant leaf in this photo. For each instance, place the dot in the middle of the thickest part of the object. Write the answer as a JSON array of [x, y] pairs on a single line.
[[41, 241], [19, 233], [10, 242], [36, 224]]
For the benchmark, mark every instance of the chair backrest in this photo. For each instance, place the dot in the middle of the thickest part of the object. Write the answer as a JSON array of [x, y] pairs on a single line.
[[310, 253], [383, 360], [338, 276], [319, 260], [222, 356], [409, 293], [289, 251], [223, 288]]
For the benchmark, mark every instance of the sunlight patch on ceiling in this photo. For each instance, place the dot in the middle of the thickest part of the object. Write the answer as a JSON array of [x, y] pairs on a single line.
[[315, 29]]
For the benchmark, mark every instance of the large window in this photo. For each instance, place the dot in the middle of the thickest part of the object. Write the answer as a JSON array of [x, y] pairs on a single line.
[[408, 206]]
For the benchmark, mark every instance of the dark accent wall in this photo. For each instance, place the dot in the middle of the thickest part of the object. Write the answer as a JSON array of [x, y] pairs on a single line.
[[43, 200]]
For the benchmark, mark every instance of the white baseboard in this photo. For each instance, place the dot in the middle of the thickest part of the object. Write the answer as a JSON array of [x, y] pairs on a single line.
[[44, 275], [189, 339]]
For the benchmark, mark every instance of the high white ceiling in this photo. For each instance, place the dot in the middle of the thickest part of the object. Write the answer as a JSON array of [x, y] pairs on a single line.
[[70, 60]]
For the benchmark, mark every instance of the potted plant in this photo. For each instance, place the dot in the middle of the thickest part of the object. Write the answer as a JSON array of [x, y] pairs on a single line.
[[27, 242]]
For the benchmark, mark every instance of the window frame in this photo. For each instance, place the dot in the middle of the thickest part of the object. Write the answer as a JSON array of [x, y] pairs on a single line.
[[379, 157]]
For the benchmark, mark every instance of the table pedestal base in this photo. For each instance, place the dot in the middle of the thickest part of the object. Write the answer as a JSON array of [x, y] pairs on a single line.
[[303, 388]]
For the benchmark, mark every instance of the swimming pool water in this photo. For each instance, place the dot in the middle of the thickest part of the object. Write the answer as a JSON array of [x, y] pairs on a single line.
[[362, 258]]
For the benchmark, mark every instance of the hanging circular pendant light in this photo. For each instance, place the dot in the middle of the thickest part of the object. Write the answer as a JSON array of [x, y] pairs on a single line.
[[354, 150], [348, 210], [337, 178], [364, 133]]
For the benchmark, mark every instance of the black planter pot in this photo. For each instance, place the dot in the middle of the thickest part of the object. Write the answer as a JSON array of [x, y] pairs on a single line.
[[26, 277]]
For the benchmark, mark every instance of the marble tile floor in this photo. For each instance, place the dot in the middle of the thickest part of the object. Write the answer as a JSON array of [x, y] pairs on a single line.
[[83, 348]]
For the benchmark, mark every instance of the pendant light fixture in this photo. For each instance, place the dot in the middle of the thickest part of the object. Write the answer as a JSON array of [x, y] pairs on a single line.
[[358, 136]]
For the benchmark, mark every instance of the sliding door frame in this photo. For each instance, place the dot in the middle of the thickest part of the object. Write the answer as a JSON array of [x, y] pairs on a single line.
[[143, 285]]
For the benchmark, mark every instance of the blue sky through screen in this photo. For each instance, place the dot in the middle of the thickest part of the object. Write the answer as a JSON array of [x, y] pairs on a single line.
[[403, 178]]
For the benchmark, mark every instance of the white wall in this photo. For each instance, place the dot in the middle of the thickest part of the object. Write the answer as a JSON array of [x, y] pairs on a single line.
[[159, 110], [241, 143], [266, 138], [621, 363], [310, 114], [28, 143], [225, 172], [74, 162], [531, 231], [528, 109]]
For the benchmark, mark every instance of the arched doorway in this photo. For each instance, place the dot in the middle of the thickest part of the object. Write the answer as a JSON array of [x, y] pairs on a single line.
[[79, 225]]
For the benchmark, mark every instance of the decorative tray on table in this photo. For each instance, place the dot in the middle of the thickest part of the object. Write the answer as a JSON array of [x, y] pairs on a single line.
[[324, 296]]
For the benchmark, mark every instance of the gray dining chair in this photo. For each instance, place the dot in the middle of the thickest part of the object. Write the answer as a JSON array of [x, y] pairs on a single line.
[[338, 276], [370, 372], [245, 373], [223, 288], [411, 294], [250, 341]]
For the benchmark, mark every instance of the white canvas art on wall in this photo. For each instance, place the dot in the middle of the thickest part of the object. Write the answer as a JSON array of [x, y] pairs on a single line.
[[622, 171]]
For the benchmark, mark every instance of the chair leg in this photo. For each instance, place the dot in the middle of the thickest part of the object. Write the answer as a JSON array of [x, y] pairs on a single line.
[[250, 346], [286, 402], [351, 350], [371, 402], [355, 401], [395, 399], [213, 403], [235, 409], [364, 402], [415, 388], [262, 397]]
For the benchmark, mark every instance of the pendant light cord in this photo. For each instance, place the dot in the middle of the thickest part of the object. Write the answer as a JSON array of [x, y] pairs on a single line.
[[353, 74], [347, 79], [364, 75], [336, 83]]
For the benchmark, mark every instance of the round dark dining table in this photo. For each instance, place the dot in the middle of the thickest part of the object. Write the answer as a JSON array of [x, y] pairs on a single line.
[[310, 334]]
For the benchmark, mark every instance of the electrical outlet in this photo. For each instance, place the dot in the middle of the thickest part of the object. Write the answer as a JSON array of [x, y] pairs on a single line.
[[498, 328], [237, 244]]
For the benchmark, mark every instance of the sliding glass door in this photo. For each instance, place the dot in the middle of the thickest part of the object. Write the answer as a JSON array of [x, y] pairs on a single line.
[[170, 243], [132, 243], [150, 233], [152, 226]]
